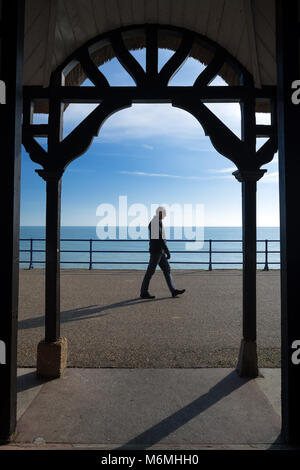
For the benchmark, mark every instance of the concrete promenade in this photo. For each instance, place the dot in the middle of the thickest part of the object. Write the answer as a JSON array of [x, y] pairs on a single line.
[[149, 374], [108, 325]]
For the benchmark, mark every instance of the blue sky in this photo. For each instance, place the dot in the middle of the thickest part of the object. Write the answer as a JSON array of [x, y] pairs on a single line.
[[153, 154]]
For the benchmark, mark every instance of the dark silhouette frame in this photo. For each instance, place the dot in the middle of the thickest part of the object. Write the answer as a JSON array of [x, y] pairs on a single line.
[[61, 152]]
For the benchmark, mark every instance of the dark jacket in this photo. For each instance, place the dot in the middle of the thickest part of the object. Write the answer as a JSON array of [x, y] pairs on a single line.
[[157, 242]]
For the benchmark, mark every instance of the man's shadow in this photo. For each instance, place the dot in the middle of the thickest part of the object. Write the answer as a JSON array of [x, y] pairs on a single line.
[[80, 313]]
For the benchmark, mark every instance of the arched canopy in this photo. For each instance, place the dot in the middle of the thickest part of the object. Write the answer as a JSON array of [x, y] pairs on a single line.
[[151, 86], [55, 28]]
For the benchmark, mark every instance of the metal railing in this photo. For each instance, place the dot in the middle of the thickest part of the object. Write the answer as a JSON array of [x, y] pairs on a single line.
[[92, 262]]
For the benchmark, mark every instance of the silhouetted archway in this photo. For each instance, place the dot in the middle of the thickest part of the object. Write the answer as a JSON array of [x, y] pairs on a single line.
[[151, 86]]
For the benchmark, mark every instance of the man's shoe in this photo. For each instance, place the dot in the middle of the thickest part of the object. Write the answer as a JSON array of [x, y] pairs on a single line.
[[147, 296], [177, 292]]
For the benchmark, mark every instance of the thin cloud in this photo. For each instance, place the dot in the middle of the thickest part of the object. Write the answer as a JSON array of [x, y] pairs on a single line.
[[167, 175], [223, 170], [198, 148], [148, 147]]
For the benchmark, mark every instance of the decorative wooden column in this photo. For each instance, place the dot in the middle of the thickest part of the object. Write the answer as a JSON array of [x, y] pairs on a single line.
[[247, 363], [52, 352], [288, 71], [11, 69], [53, 210]]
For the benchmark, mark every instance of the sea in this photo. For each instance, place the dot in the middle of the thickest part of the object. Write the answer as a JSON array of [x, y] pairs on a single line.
[[82, 248]]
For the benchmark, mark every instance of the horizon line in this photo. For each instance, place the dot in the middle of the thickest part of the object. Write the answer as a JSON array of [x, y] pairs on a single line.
[[124, 226]]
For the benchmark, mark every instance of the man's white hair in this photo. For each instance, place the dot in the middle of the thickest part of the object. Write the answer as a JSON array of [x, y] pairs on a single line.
[[160, 209]]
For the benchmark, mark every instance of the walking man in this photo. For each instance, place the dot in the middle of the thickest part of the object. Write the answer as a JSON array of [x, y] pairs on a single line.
[[159, 255]]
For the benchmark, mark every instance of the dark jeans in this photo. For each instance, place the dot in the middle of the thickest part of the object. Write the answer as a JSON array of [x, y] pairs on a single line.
[[161, 260]]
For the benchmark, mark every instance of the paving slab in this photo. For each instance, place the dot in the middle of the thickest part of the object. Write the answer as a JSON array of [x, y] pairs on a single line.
[[152, 408]]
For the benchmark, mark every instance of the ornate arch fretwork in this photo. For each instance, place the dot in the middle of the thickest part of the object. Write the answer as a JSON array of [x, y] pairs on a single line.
[[151, 86]]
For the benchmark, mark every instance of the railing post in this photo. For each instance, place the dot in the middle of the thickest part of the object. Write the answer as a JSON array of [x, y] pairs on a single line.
[[266, 267], [210, 255], [91, 255], [31, 255]]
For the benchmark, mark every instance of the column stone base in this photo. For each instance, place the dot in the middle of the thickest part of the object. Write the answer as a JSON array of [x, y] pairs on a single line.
[[247, 363], [52, 358]]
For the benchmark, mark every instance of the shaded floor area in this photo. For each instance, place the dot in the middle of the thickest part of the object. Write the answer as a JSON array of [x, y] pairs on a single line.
[[148, 409], [108, 325]]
